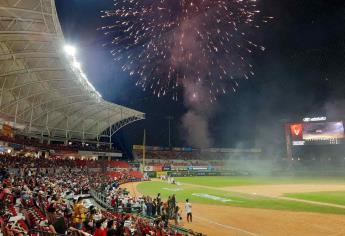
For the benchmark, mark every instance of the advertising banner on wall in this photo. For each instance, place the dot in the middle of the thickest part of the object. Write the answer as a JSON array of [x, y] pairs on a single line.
[[157, 167], [101, 154], [166, 168], [161, 173], [148, 168], [180, 168], [151, 174], [201, 173]]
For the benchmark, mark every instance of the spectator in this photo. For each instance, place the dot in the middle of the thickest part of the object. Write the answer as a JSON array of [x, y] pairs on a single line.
[[188, 208], [154, 208], [143, 208], [111, 228], [173, 201], [158, 198], [149, 206], [177, 216], [79, 215], [60, 225], [100, 228]]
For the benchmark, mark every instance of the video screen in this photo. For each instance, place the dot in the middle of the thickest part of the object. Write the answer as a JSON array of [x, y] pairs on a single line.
[[317, 133]]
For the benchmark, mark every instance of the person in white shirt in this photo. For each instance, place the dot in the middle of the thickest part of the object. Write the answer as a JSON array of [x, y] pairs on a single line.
[[188, 209]]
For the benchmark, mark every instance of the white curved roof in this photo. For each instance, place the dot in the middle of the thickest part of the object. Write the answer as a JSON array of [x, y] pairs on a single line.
[[40, 88]]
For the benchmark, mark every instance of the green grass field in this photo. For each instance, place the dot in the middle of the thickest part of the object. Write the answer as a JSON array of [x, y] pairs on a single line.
[[223, 181], [205, 195], [326, 197]]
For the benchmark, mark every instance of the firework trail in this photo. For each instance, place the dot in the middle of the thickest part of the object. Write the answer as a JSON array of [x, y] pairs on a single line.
[[167, 45]]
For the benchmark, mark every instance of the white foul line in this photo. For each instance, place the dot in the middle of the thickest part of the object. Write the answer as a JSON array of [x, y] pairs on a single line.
[[226, 226]]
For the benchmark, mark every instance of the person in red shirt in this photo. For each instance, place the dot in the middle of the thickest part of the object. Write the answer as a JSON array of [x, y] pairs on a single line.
[[100, 229], [113, 202]]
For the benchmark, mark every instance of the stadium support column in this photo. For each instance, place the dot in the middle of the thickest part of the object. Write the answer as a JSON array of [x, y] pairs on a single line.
[[31, 116], [83, 129], [47, 122], [110, 140], [144, 149], [288, 142], [17, 105], [66, 136], [16, 113], [2, 90], [98, 135], [110, 130], [41, 136]]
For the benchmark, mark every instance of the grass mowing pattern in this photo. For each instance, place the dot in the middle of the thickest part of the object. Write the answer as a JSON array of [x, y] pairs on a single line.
[[224, 181], [337, 197], [237, 199]]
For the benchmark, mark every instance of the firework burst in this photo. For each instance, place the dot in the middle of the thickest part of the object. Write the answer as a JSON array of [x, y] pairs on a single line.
[[168, 44]]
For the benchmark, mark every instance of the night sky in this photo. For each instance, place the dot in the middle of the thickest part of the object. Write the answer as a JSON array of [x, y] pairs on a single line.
[[302, 73]]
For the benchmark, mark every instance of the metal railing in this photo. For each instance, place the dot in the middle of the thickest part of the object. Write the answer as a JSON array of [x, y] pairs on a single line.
[[101, 199]]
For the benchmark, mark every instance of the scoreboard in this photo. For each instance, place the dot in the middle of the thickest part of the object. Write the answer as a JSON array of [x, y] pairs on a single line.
[[316, 133]]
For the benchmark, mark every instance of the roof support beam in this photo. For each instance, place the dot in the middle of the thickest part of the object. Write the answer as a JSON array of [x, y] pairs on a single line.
[[27, 33], [47, 101], [28, 54], [125, 122], [28, 37], [37, 94], [80, 117], [32, 83], [25, 10], [63, 106], [85, 116], [24, 71]]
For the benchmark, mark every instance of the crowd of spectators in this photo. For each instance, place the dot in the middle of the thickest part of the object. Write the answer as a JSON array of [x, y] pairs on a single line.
[[37, 201], [21, 162], [146, 206], [184, 155], [72, 146]]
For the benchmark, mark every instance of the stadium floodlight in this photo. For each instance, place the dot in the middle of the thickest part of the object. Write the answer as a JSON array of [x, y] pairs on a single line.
[[70, 50]]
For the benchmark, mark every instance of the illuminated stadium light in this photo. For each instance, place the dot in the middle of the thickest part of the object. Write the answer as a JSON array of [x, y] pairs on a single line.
[[70, 50], [76, 68]]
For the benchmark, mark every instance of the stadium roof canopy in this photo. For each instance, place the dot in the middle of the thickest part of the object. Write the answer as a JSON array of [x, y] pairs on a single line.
[[43, 89]]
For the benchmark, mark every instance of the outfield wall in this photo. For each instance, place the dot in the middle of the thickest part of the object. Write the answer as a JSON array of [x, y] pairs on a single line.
[[154, 174]]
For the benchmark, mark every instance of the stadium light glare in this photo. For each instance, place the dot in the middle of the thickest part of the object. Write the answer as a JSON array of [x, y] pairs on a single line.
[[77, 65], [70, 50], [83, 75], [77, 68]]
